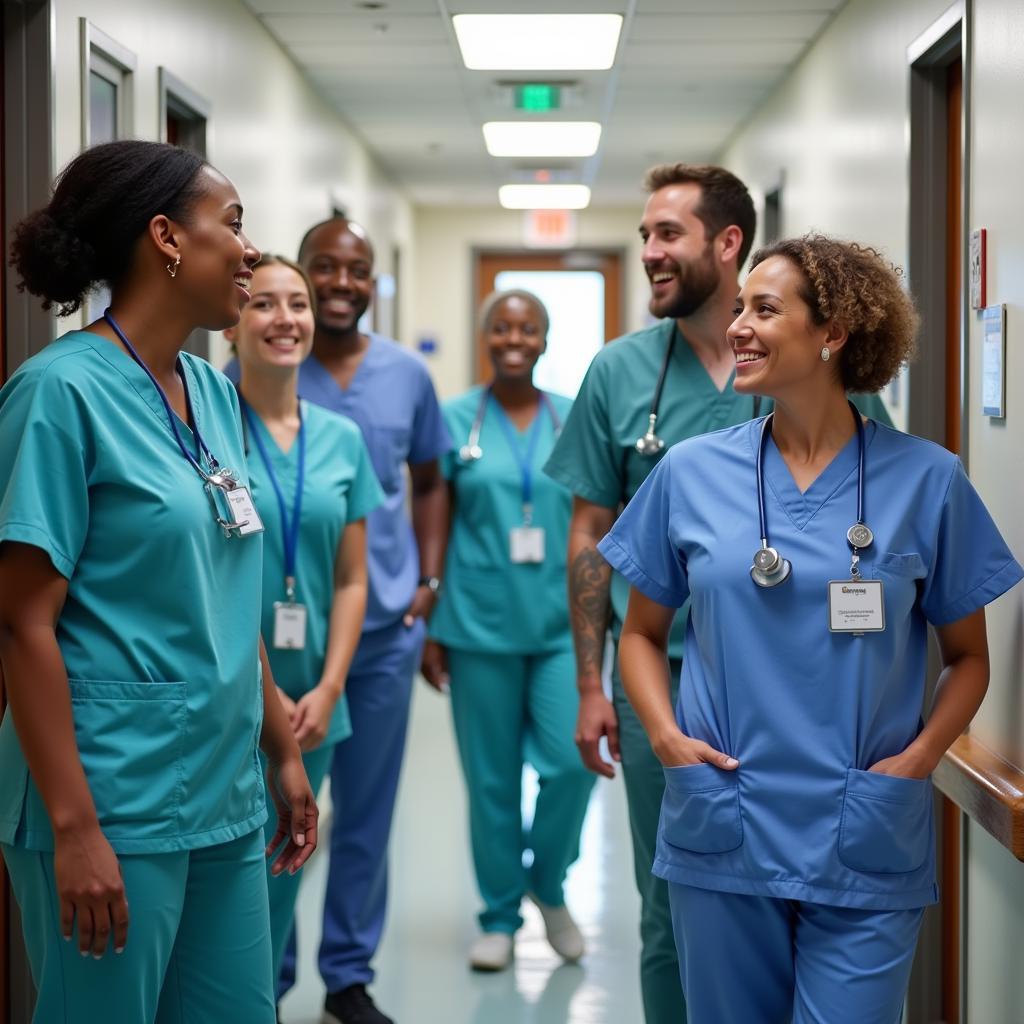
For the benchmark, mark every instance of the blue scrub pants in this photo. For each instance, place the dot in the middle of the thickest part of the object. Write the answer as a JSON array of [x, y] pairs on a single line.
[[283, 889], [364, 783], [198, 947], [510, 709], [776, 961], [645, 786]]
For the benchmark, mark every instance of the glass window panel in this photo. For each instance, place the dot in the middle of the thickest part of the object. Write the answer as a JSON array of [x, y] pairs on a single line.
[[102, 109]]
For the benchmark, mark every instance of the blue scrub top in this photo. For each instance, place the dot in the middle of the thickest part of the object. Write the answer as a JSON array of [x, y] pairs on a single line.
[[805, 711], [160, 630], [488, 603], [392, 400], [340, 487]]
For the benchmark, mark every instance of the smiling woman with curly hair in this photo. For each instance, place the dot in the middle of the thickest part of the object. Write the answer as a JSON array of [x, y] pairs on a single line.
[[796, 830]]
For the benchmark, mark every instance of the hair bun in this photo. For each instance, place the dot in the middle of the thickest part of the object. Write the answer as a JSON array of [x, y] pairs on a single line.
[[53, 261]]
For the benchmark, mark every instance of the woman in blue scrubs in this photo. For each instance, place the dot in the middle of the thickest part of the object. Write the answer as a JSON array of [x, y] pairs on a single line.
[[312, 479], [500, 635], [796, 829], [130, 575]]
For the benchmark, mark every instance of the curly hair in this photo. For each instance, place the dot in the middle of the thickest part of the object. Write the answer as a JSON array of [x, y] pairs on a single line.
[[855, 286]]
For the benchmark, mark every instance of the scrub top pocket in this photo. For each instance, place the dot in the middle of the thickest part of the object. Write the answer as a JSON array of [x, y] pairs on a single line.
[[700, 811], [130, 739], [886, 822]]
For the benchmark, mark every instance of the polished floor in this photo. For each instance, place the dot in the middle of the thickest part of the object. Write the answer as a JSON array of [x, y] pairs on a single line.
[[422, 977]]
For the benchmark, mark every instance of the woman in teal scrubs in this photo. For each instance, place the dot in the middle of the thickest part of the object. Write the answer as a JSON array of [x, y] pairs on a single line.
[[500, 635], [313, 482], [130, 576], [815, 548]]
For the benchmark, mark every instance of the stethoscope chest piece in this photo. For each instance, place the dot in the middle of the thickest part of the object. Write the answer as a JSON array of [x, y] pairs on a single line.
[[471, 453], [770, 568], [650, 444]]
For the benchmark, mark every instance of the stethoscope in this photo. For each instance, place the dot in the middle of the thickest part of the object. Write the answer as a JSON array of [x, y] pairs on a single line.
[[650, 444], [471, 450], [769, 568]]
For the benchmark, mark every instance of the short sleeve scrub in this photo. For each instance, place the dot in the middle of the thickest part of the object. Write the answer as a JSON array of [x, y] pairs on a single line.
[[159, 636]]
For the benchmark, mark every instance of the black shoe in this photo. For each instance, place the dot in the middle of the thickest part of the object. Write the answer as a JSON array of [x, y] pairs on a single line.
[[354, 1005]]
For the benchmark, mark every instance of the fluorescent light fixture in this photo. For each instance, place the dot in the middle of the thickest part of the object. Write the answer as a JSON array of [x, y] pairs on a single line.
[[538, 42], [544, 197], [542, 138]]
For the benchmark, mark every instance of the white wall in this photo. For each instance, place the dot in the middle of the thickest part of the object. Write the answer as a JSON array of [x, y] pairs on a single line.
[[287, 152], [443, 285], [836, 132]]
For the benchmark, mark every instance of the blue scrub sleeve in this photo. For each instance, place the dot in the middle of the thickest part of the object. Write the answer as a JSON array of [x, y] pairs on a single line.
[[365, 493], [430, 438], [973, 565], [45, 454], [586, 459], [640, 544]]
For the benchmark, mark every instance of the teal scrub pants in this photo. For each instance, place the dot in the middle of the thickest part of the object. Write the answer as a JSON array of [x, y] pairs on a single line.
[[756, 958], [645, 786], [284, 888], [198, 947], [510, 709]]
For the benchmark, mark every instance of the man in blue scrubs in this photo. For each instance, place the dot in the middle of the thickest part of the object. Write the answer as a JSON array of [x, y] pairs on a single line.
[[388, 392]]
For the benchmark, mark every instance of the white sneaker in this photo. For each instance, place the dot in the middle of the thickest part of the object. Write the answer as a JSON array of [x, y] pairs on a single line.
[[564, 936], [491, 951]]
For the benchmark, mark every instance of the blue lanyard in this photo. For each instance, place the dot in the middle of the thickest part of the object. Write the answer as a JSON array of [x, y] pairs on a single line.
[[215, 478], [525, 460], [290, 527]]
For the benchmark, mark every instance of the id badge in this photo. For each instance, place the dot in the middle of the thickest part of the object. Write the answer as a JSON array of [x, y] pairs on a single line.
[[243, 511], [856, 606], [526, 544], [289, 626]]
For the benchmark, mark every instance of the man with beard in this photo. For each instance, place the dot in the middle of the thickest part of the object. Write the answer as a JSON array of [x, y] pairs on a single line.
[[642, 394], [387, 391]]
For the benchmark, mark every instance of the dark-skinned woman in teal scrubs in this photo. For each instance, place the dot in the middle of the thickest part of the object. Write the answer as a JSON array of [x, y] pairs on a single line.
[[500, 635], [130, 575]]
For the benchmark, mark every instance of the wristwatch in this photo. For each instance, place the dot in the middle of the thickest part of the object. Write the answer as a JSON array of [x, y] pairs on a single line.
[[432, 583]]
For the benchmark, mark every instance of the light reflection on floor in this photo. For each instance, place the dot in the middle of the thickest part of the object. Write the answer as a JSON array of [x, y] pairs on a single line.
[[422, 977]]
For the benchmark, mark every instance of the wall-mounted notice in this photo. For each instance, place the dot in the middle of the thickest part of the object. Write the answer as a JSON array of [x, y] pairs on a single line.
[[977, 269], [993, 362]]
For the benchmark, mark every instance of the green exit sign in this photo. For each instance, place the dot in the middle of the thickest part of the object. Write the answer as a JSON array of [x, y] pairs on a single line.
[[537, 96]]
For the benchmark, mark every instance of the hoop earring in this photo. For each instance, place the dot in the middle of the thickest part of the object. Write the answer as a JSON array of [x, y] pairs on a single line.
[[826, 352], [172, 268]]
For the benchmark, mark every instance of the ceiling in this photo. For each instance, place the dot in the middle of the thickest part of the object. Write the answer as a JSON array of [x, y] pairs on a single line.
[[687, 74]]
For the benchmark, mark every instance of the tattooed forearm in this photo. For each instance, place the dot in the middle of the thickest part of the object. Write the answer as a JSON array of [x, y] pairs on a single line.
[[589, 582]]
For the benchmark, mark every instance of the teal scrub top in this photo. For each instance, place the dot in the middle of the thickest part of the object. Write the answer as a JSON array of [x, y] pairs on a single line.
[[806, 711], [489, 603], [595, 456], [340, 487], [160, 630]]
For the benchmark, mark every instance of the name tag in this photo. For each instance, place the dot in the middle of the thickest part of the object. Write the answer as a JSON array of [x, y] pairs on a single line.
[[856, 606], [243, 511], [289, 626], [526, 544]]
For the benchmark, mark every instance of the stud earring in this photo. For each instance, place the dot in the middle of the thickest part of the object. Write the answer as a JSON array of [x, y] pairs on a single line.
[[826, 352], [172, 268]]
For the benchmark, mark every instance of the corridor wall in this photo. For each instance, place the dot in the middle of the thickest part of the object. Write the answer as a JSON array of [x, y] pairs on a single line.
[[835, 132]]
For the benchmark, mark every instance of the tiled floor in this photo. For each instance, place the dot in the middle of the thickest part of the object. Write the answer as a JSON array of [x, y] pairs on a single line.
[[422, 977]]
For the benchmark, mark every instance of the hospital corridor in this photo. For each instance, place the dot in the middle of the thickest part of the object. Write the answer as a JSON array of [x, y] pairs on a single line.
[[510, 512]]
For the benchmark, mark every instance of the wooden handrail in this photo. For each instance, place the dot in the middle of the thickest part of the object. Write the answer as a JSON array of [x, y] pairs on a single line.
[[987, 788]]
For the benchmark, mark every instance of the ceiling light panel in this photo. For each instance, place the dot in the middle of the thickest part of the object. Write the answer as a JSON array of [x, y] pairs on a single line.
[[538, 42], [542, 138], [544, 197]]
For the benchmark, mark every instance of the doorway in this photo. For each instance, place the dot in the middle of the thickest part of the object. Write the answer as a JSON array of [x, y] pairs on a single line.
[[582, 291], [938, 393]]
